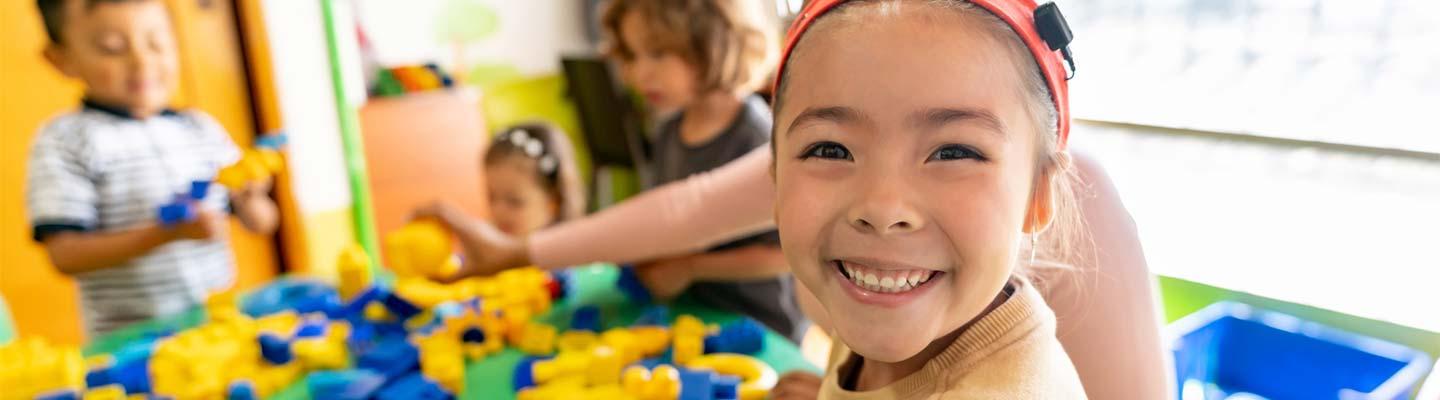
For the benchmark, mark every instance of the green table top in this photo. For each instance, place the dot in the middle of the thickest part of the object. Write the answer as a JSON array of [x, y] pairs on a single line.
[[490, 378]]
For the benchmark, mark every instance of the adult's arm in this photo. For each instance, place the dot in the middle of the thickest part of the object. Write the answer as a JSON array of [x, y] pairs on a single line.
[[1106, 309], [681, 217]]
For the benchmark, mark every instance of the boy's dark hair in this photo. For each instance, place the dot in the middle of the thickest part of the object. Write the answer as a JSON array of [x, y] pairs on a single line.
[[554, 160], [52, 14]]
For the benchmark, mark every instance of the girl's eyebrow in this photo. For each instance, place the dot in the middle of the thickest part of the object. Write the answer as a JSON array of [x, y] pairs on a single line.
[[935, 118], [835, 114]]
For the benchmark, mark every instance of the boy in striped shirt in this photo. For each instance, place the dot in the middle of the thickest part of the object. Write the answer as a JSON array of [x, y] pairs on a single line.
[[97, 176]]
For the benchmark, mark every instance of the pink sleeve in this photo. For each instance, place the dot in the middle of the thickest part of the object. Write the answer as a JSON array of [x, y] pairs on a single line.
[[676, 218]]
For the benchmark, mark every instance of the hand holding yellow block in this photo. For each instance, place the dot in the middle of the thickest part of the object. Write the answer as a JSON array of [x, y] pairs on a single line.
[[420, 248]]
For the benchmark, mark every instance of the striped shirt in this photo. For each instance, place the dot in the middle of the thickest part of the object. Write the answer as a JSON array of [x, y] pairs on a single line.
[[99, 170]]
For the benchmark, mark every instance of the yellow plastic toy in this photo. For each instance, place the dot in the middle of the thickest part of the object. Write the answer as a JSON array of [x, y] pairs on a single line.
[[107, 392], [689, 335], [32, 366], [354, 270], [420, 248], [756, 377], [537, 339], [254, 165], [661, 384], [441, 361]]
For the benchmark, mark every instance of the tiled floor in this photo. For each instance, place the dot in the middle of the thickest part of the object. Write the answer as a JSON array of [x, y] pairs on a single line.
[[1352, 232]]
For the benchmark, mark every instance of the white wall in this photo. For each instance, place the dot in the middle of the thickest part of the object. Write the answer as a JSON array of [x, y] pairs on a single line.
[[532, 34]]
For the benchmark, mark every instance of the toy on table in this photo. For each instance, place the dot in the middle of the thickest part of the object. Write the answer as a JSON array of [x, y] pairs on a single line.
[[587, 365], [33, 367], [355, 273]]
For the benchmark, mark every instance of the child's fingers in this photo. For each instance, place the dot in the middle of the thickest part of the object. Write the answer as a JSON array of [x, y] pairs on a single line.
[[796, 386]]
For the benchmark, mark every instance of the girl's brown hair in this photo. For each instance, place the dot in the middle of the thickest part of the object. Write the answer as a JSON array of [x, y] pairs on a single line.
[[554, 160], [728, 41]]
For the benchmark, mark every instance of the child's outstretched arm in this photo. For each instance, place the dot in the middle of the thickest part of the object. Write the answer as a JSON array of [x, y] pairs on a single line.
[[255, 209], [669, 277], [75, 252]]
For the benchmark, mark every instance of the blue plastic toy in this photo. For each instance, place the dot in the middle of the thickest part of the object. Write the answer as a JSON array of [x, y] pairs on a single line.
[[59, 395], [744, 336], [695, 385], [391, 358], [629, 283], [353, 384], [398, 306], [411, 387], [586, 318], [275, 350], [656, 315], [182, 208], [272, 141], [524, 373], [242, 390], [301, 296]]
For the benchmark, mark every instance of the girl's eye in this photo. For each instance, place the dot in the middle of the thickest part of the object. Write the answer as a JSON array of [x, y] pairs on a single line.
[[952, 152], [827, 150]]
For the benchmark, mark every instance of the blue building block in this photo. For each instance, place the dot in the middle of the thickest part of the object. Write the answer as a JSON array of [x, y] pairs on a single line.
[[65, 394], [412, 387], [355, 309], [401, 308], [301, 296], [695, 385], [524, 375], [352, 384], [132, 367], [198, 190], [629, 283], [745, 336], [175, 213], [727, 387], [312, 327], [392, 358], [656, 315], [586, 318], [275, 350], [272, 141], [242, 390]]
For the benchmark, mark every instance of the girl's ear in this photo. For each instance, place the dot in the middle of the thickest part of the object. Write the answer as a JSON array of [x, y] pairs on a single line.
[[1042, 197]]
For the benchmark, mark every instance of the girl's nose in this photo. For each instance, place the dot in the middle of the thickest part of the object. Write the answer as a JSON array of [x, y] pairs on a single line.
[[883, 208]]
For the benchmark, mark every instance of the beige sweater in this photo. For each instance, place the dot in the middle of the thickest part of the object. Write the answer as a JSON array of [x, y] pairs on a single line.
[[1011, 353]]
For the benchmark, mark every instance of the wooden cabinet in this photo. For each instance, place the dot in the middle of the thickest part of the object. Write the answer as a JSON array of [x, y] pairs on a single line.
[[213, 79], [423, 147]]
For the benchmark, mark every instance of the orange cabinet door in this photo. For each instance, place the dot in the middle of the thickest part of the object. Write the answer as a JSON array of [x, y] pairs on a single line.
[[214, 80]]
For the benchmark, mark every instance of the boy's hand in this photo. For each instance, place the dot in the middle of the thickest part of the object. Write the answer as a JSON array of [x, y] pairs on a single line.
[[666, 278], [487, 249], [207, 225], [797, 385]]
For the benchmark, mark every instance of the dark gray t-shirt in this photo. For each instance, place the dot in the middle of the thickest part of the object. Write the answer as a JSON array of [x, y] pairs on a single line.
[[770, 301]]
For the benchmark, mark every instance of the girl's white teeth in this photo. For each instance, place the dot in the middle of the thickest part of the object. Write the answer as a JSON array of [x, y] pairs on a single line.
[[893, 282]]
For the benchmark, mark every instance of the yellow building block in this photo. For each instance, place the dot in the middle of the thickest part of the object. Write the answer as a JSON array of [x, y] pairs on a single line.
[[420, 248], [355, 273], [31, 366], [756, 377], [107, 392]]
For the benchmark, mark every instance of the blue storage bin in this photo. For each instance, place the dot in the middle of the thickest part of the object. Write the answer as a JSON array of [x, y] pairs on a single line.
[[1234, 351]]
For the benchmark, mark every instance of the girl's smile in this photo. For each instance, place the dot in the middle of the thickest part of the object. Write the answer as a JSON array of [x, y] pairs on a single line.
[[882, 283]]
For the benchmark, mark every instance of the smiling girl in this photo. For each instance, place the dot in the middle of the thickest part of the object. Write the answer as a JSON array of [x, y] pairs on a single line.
[[919, 148]]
